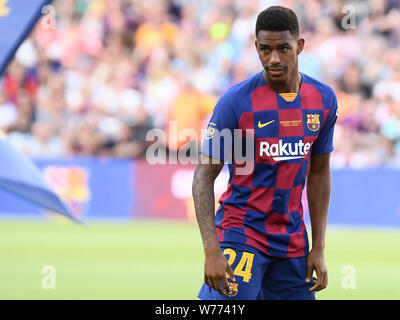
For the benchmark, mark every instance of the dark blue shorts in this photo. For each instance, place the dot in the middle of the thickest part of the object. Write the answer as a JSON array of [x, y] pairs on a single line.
[[262, 277]]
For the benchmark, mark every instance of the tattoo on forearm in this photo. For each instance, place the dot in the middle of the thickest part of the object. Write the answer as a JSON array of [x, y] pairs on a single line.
[[204, 201]]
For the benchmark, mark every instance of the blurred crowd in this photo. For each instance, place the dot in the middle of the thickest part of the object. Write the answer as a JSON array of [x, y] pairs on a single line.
[[95, 81]]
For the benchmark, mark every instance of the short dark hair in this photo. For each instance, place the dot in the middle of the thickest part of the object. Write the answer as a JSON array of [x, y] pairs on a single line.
[[278, 18]]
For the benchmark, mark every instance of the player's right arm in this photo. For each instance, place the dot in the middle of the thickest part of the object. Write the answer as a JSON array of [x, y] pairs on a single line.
[[215, 263]]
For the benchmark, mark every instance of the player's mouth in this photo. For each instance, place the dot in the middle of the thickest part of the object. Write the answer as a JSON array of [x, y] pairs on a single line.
[[275, 72]]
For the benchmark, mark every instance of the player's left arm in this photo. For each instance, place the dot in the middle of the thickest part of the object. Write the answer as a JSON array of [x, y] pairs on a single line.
[[318, 194]]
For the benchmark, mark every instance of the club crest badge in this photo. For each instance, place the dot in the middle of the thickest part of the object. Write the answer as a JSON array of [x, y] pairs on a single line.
[[210, 131], [233, 289], [313, 123]]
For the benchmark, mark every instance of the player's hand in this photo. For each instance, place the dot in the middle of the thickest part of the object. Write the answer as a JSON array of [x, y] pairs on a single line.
[[215, 269], [316, 261]]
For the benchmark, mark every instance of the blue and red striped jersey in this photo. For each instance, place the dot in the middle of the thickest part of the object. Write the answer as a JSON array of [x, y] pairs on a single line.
[[262, 207]]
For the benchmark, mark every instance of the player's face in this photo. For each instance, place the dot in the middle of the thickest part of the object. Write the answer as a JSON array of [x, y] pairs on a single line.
[[278, 51]]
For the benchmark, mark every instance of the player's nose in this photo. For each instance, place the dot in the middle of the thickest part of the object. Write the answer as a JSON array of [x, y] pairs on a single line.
[[274, 58]]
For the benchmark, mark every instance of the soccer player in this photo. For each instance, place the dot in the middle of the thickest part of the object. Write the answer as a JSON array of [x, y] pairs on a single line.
[[256, 244]]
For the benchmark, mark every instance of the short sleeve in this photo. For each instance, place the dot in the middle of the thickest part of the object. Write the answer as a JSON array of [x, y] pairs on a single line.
[[219, 137], [324, 142]]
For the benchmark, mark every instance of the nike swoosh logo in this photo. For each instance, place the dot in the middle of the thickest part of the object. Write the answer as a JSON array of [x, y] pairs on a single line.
[[262, 125]]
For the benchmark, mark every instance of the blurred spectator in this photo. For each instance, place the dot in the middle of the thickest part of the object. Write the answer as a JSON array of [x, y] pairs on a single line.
[[8, 113], [113, 69], [188, 109]]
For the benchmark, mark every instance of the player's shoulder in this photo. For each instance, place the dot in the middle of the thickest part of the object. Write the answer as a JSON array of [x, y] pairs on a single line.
[[243, 89], [237, 99], [325, 90]]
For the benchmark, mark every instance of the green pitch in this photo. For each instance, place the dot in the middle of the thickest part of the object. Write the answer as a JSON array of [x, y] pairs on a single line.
[[164, 260]]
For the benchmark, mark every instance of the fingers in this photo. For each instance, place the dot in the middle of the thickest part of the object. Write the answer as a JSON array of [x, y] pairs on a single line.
[[225, 284], [217, 284], [206, 280], [214, 282], [229, 274], [309, 272], [321, 281], [220, 282], [209, 281], [229, 271], [216, 275]]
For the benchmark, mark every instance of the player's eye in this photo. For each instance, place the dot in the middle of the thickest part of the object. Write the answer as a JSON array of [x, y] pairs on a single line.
[[284, 49]]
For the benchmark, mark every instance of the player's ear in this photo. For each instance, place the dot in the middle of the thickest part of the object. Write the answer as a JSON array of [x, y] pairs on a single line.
[[300, 45]]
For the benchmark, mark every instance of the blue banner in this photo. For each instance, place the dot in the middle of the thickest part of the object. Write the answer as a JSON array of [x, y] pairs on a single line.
[[112, 189], [17, 18], [91, 188], [21, 177], [364, 198]]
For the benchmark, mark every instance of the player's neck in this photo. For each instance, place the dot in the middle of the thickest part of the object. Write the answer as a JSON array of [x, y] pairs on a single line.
[[292, 84]]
